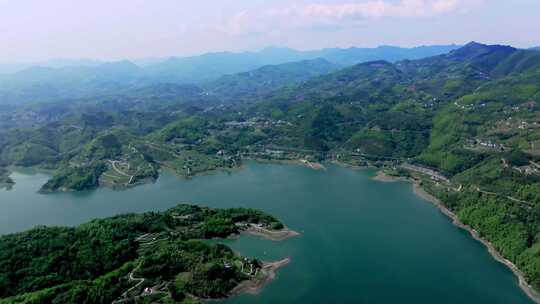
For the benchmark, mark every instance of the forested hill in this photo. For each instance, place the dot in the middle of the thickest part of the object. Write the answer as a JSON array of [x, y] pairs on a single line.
[[250, 85], [395, 110], [116, 259], [451, 74]]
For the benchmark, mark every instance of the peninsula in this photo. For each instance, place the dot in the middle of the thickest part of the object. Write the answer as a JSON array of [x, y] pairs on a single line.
[[155, 256]]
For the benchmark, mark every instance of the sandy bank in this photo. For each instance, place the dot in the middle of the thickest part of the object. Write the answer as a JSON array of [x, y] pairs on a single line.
[[350, 166], [273, 235], [385, 178], [312, 165], [265, 275], [296, 162]]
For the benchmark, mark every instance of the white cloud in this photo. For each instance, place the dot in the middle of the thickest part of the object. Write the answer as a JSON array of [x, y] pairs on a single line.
[[339, 15]]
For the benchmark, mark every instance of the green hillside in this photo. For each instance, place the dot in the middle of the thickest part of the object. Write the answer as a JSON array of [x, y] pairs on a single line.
[[249, 85], [118, 258]]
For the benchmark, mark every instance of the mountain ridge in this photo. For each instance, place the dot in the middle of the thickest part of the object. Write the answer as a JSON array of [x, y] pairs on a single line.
[[76, 82]]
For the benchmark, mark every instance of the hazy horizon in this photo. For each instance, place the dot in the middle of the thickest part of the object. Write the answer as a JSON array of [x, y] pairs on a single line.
[[37, 31], [158, 58]]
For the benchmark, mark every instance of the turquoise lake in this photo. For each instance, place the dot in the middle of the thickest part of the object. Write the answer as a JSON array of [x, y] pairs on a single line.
[[361, 241]]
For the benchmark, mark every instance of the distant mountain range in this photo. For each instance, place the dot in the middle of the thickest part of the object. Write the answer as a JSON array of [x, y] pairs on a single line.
[[80, 78], [267, 78], [472, 65], [252, 60], [10, 68], [211, 66]]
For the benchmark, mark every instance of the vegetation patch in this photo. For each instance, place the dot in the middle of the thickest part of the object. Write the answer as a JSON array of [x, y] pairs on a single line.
[[134, 257]]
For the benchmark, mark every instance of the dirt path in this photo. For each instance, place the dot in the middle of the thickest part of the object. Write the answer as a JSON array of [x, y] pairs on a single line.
[[527, 204], [113, 163], [122, 173], [124, 297], [156, 147]]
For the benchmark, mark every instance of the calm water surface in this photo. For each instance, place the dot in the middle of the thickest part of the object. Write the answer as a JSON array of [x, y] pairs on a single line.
[[362, 241]]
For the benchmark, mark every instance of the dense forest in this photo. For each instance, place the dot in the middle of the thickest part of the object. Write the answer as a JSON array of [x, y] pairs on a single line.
[[116, 259]]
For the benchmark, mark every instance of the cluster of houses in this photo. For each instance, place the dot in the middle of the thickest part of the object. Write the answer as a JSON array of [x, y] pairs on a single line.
[[431, 103], [487, 144], [256, 122], [435, 175], [527, 170], [249, 267], [471, 106], [521, 124], [490, 145]]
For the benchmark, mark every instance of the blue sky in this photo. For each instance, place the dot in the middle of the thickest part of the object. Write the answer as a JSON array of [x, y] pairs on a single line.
[[36, 30]]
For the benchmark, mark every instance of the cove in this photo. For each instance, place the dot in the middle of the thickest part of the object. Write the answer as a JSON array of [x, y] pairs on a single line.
[[362, 241]]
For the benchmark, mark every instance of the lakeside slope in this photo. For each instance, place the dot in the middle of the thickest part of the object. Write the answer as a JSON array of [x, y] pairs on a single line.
[[421, 192]]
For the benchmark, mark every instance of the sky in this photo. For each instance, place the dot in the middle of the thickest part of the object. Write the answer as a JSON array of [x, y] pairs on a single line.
[[39, 30]]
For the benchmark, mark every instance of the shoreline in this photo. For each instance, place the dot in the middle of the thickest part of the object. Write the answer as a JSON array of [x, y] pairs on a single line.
[[164, 167], [348, 166], [272, 235], [385, 178], [294, 162], [266, 275], [420, 192], [312, 165], [7, 186], [522, 281]]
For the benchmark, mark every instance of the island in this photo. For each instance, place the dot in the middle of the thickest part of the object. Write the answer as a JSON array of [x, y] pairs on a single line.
[[155, 257]]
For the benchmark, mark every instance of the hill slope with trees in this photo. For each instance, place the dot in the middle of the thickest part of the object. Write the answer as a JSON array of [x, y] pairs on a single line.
[[121, 258]]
